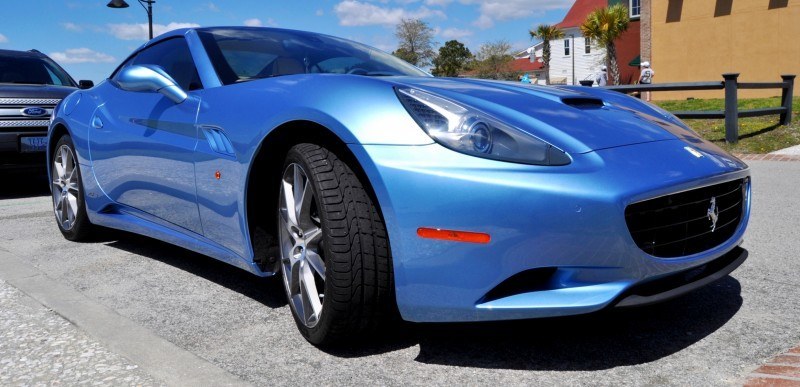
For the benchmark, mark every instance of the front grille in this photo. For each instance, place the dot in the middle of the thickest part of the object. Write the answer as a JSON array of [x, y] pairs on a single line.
[[29, 101], [13, 119], [24, 123], [681, 224]]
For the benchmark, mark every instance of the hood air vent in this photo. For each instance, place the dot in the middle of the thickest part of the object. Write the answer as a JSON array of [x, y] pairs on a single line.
[[583, 102]]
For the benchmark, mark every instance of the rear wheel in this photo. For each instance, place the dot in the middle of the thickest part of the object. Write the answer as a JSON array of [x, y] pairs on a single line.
[[67, 189], [334, 251]]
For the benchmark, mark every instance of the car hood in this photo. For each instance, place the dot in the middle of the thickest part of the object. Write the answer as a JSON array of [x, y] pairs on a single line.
[[568, 118], [11, 90]]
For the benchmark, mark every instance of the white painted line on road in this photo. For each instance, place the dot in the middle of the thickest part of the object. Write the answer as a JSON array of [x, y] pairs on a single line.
[[156, 356]]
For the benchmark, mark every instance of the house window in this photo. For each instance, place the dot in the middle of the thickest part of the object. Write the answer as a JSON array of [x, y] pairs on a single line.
[[636, 8], [566, 47], [588, 48]]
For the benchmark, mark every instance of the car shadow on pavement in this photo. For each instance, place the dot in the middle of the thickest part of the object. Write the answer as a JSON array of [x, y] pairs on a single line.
[[23, 183], [612, 338], [603, 340], [268, 291]]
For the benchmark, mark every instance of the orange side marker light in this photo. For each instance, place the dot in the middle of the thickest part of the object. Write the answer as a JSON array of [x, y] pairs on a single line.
[[217, 175], [453, 235]]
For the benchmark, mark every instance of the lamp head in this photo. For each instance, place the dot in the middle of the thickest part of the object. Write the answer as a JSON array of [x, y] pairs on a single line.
[[117, 4]]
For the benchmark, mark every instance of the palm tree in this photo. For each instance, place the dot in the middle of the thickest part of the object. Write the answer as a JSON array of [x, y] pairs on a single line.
[[604, 26], [546, 33]]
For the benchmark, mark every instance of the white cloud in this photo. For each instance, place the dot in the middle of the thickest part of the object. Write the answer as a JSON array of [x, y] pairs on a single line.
[[492, 11], [357, 13], [72, 27], [455, 33], [212, 7], [139, 31], [320, 12], [254, 22], [440, 3], [3, 38], [81, 55]]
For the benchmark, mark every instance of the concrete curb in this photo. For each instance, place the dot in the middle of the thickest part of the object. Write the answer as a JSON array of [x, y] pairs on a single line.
[[156, 356]]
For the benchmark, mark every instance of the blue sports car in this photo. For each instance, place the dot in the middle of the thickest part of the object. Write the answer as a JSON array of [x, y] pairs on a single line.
[[375, 190]]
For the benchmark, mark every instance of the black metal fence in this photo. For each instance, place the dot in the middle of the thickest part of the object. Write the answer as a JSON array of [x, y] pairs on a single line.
[[731, 114]]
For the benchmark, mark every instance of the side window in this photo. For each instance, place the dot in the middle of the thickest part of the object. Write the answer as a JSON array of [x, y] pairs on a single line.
[[122, 66], [588, 48], [174, 57], [566, 47], [53, 78]]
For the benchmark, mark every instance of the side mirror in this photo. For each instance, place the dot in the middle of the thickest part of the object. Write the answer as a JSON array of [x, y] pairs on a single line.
[[84, 84], [150, 78]]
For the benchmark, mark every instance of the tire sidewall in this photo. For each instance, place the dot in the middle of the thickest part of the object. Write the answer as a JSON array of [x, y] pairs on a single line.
[[81, 220], [317, 333]]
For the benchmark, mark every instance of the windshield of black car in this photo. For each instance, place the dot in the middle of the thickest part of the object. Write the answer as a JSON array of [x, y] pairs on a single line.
[[32, 71], [245, 54]]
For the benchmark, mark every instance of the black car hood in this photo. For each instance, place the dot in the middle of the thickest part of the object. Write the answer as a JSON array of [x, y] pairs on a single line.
[[12, 90]]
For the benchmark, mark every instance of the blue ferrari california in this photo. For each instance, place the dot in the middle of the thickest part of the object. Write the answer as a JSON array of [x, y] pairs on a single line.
[[375, 190]]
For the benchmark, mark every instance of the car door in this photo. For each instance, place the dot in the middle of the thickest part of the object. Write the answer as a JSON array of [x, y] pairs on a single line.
[[142, 143]]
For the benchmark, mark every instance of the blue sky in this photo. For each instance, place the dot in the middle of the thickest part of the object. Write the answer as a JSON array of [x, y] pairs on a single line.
[[89, 39]]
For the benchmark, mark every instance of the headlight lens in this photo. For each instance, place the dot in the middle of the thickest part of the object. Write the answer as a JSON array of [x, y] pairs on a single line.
[[470, 131]]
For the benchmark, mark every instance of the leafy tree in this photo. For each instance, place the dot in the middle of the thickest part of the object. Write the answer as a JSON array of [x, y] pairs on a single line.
[[452, 58], [415, 39], [405, 55], [546, 33], [605, 25], [493, 60]]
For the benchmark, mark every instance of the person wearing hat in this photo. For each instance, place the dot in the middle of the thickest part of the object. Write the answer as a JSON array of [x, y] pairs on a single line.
[[647, 77], [602, 77]]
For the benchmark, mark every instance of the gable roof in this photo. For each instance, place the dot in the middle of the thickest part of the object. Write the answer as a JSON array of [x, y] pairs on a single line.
[[577, 14], [524, 64]]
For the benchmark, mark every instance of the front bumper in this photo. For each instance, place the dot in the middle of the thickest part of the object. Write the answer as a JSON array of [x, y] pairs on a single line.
[[561, 226]]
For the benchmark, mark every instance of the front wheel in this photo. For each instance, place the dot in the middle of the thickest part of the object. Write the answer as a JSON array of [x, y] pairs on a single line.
[[67, 187], [335, 257]]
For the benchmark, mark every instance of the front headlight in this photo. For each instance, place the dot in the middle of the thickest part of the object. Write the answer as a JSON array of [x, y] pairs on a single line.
[[475, 133]]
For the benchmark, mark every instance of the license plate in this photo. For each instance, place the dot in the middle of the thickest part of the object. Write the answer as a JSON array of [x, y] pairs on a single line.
[[32, 144]]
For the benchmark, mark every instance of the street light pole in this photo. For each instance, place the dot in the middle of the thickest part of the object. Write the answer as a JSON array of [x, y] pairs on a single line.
[[572, 54], [148, 9]]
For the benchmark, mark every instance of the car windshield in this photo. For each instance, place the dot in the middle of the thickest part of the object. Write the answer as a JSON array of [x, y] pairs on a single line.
[[243, 54], [32, 71]]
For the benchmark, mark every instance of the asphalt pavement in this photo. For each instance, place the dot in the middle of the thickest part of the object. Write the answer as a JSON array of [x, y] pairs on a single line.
[[230, 324]]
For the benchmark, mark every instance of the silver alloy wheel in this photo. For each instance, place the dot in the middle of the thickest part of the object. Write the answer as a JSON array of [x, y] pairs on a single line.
[[301, 249], [65, 187]]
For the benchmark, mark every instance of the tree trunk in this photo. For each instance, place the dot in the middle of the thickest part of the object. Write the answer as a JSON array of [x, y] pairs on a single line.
[[611, 55], [546, 60]]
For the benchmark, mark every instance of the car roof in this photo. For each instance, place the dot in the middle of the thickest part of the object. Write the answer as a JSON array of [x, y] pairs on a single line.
[[22, 54]]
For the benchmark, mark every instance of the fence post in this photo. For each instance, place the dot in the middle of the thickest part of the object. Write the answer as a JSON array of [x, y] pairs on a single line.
[[786, 98], [731, 108]]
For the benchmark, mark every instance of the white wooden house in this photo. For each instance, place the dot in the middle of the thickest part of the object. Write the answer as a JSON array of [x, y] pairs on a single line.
[[573, 58]]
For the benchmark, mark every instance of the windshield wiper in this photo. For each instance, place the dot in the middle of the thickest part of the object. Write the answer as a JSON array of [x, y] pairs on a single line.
[[381, 74]]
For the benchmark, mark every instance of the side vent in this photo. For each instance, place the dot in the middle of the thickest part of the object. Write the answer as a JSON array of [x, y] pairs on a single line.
[[217, 140], [530, 280], [583, 102]]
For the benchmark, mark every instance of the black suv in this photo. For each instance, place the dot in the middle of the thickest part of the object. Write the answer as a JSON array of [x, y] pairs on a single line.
[[31, 85]]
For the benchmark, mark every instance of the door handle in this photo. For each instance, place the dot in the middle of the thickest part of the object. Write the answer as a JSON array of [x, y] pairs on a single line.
[[97, 123]]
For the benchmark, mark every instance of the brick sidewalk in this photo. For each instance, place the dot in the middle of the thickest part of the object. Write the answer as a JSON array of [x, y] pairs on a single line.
[[768, 157], [782, 370]]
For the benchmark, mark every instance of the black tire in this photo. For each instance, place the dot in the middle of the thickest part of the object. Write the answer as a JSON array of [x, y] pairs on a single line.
[[358, 285], [80, 228]]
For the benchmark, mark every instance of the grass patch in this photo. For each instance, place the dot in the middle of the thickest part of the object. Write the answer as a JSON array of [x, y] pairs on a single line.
[[756, 134]]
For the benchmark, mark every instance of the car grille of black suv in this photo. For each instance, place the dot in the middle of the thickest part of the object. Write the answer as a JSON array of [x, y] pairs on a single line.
[[12, 118], [687, 222]]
